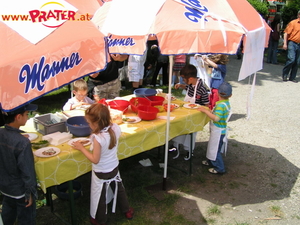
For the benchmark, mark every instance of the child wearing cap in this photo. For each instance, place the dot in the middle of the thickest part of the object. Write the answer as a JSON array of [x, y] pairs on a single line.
[[217, 143], [80, 90], [18, 178]]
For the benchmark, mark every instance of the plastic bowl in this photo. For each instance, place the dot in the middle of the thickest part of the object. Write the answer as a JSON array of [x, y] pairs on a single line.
[[135, 102], [156, 100], [62, 190], [121, 105], [78, 126], [147, 112], [144, 92]]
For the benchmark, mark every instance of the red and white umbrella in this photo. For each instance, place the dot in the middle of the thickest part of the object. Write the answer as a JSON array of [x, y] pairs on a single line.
[[45, 45], [185, 27]]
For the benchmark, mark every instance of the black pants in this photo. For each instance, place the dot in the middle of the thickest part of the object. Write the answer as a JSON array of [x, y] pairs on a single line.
[[165, 77]]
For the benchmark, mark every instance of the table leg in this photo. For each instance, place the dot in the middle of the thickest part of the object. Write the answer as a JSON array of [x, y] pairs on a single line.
[[49, 201], [191, 153], [72, 202]]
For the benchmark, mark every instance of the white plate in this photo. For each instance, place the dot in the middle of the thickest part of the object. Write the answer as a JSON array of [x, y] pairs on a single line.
[[40, 151], [32, 136], [135, 118], [187, 105], [79, 139]]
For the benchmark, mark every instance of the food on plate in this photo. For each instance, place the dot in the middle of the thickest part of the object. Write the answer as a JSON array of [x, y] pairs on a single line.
[[126, 119], [40, 144], [173, 98], [84, 141], [172, 107], [49, 151], [192, 105]]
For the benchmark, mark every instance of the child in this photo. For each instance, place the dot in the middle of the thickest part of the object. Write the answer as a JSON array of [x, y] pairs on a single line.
[[80, 90], [18, 179], [105, 172], [195, 93], [217, 143], [218, 63], [136, 70], [179, 63], [192, 83]]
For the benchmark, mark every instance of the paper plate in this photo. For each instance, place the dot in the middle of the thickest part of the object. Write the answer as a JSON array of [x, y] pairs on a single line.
[[131, 119], [80, 139], [31, 136], [47, 152], [191, 106]]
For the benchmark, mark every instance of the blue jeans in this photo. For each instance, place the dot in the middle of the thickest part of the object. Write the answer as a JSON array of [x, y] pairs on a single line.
[[13, 209], [272, 51], [293, 61], [218, 164]]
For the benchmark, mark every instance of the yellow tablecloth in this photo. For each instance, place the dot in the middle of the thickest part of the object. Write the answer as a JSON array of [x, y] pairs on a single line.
[[135, 138]]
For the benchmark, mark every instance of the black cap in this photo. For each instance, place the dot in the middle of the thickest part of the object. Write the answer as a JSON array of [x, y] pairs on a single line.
[[27, 107]]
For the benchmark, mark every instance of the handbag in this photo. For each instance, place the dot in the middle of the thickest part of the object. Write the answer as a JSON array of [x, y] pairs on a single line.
[[275, 34]]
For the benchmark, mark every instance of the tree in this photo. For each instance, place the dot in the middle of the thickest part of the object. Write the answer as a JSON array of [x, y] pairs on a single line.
[[260, 7], [290, 11]]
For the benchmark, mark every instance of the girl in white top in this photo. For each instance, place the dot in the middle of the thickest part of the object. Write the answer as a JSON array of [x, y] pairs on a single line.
[[105, 172]]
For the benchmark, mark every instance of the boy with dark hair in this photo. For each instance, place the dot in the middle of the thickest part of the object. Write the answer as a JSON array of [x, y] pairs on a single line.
[[18, 178], [196, 93], [217, 143]]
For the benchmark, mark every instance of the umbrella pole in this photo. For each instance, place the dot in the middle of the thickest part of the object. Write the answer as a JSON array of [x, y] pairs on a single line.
[[168, 123]]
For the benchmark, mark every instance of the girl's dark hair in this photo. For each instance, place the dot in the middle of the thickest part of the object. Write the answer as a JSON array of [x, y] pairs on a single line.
[[276, 20], [188, 71], [99, 114]]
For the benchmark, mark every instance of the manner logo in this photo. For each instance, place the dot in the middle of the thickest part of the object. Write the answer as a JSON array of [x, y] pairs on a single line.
[[195, 10]]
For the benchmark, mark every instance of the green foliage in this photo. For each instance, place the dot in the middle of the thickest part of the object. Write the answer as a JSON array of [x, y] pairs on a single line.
[[260, 7], [214, 210], [289, 12]]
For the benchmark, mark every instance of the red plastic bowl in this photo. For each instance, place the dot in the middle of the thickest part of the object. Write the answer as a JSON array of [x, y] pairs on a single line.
[[135, 102], [147, 112], [121, 105], [156, 100]]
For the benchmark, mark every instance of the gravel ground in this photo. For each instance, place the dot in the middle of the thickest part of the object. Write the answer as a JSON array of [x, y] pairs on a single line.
[[261, 185]]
